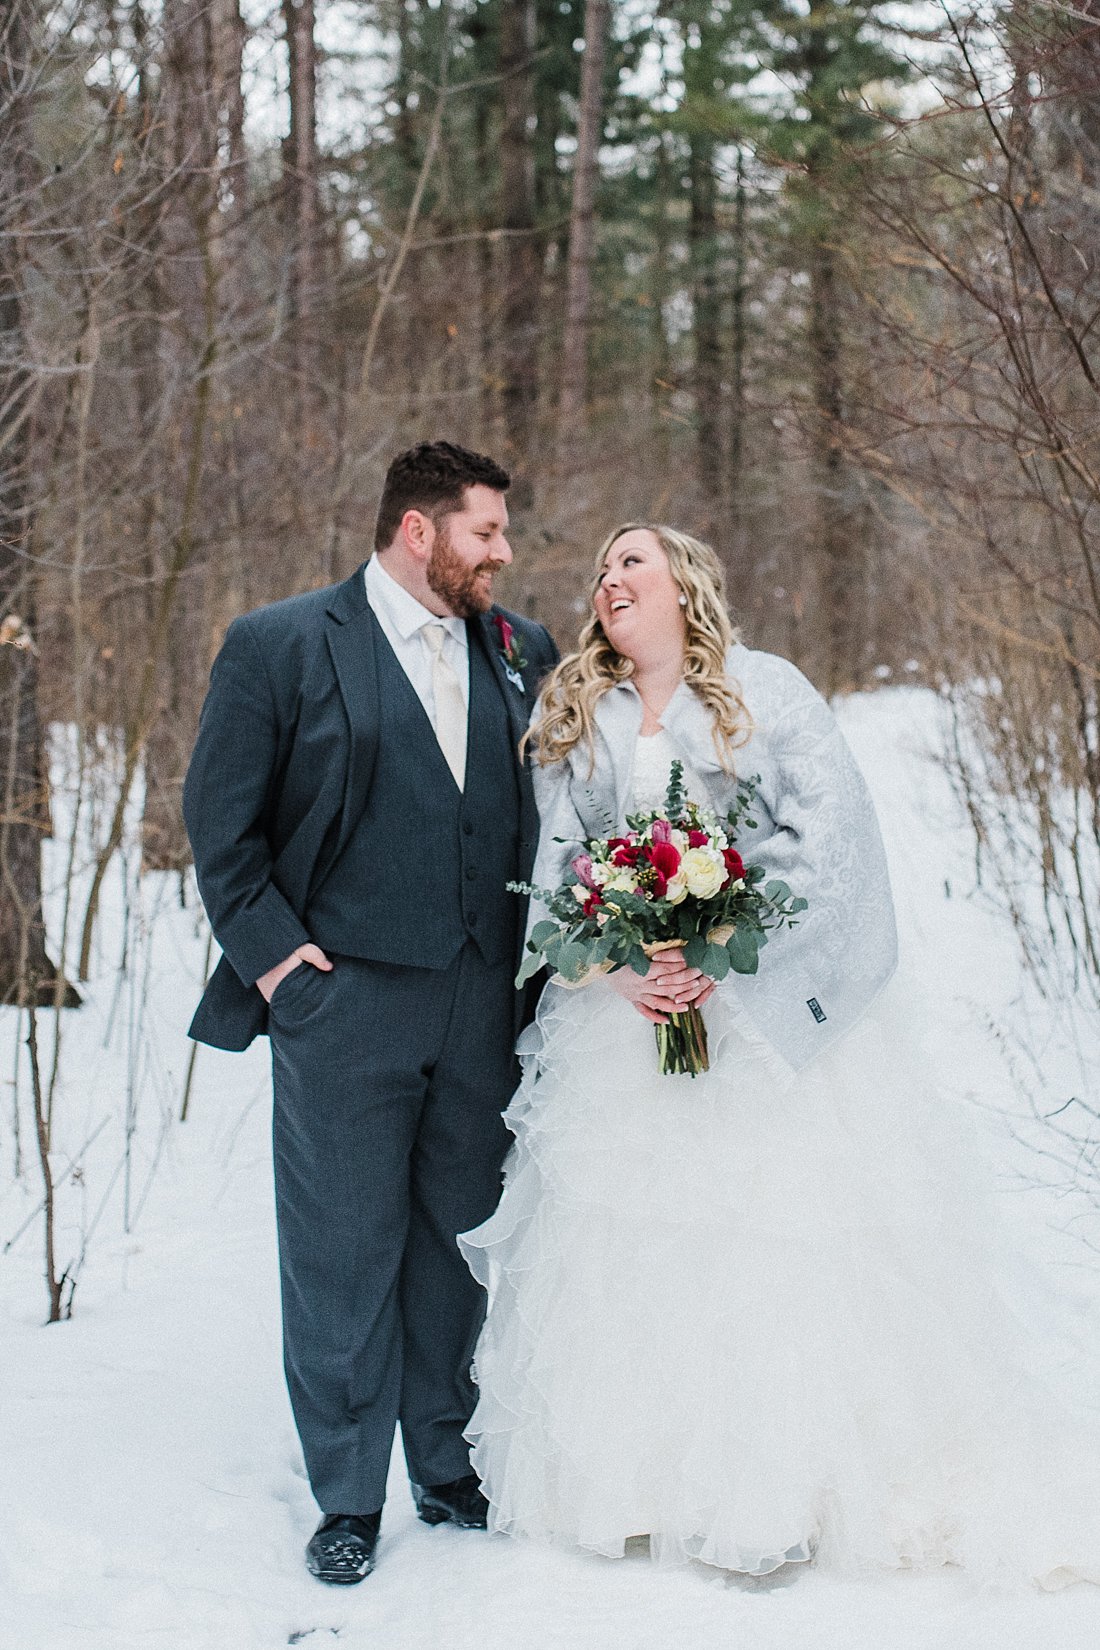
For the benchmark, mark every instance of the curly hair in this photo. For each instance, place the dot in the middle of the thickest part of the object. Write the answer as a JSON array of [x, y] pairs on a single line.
[[432, 476], [582, 678]]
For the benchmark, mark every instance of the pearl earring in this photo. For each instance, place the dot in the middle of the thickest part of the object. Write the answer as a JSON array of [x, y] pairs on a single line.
[[683, 600]]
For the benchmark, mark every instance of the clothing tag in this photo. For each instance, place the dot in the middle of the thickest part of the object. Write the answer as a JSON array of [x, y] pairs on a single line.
[[816, 1009]]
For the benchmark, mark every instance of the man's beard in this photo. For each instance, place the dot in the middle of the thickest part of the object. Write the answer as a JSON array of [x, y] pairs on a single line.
[[456, 583]]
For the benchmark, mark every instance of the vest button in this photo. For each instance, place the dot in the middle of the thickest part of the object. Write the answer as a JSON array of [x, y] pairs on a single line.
[[468, 828], [471, 920], [471, 873]]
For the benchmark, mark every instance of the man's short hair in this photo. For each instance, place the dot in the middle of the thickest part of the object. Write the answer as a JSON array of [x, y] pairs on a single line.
[[433, 477]]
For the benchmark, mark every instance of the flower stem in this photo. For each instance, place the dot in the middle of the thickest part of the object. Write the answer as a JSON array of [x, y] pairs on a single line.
[[682, 1045]]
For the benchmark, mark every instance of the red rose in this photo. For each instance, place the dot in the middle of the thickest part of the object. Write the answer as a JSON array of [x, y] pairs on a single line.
[[660, 886], [506, 631], [735, 865], [697, 839], [629, 854], [594, 899], [665, 858]]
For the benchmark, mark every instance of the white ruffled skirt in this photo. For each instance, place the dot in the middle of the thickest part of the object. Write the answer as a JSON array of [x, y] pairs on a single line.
[[760, 1317]]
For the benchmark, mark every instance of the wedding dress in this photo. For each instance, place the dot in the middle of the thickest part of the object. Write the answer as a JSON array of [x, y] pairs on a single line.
[[761, 1316]]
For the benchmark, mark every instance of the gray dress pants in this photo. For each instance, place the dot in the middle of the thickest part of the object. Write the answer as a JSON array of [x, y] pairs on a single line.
[[389, 1087]]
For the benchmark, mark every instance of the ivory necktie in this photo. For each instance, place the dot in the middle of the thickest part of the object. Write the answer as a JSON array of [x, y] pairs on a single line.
[[450, 707]]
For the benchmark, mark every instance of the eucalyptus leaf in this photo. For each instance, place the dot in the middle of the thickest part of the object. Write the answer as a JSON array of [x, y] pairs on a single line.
[[716, 962], [541, 932], [529, 967], [628, 902], [742, 948], [572, 961]]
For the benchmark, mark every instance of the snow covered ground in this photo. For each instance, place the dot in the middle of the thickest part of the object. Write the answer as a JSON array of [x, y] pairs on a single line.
[[153, 1493]]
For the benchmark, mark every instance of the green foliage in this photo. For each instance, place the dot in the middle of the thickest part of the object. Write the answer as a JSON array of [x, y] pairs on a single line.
[[623, 923], [743, 950], [675, 796]]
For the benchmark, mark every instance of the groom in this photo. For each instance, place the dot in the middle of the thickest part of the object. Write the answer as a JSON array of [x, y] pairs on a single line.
[[356, 804]]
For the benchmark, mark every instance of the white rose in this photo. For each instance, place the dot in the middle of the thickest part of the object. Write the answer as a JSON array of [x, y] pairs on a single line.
[[580, 892], [677, 889], [680, 840], [621, 883], [703, 871]]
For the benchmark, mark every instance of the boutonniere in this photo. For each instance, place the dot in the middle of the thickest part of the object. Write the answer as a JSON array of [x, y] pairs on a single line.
[[510, 652]]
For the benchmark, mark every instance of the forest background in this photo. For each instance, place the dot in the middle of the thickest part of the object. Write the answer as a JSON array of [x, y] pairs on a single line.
[[816, 279]]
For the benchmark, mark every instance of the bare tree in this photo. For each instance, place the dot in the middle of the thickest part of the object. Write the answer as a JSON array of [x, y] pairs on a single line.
[[521, 261], [156, 725], [26, 974], [735, 444], [985, 415], [573, 402], [303, 209], [837, 546]]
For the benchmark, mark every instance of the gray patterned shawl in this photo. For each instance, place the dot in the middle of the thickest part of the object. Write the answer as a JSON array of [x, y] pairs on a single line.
[[816, 829]]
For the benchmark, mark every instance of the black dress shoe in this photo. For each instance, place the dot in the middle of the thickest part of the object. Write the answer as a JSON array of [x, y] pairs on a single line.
[[460, 1502], [341, 1550]]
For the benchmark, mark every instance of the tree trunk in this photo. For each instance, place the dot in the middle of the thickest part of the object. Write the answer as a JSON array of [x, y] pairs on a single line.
[[736, 445], [193, 76], [404, 125], [485, 281], [521, 297], [707, 324], [1077, 127], [661, 284], [164, 844], [231, 43], [304, 210], [573, 405], [840, 559], [26, 974]]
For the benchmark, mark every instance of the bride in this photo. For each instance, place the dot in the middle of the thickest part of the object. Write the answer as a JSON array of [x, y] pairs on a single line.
[[759, 1315]]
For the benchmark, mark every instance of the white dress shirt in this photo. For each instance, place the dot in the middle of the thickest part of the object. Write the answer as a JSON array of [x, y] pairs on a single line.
[[403, 619]]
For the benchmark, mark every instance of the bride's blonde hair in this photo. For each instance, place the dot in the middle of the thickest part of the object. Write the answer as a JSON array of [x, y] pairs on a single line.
[[581, 679]]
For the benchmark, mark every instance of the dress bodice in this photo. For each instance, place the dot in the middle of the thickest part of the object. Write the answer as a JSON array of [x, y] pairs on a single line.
[[654, 755]]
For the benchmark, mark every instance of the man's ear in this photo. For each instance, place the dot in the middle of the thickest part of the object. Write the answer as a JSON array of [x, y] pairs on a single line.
[[418, 533]]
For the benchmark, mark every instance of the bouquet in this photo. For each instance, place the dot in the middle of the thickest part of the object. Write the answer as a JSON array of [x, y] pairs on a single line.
[[675, 880]]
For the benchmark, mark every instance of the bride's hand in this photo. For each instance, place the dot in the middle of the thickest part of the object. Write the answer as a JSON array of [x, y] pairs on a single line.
[[669, 987]]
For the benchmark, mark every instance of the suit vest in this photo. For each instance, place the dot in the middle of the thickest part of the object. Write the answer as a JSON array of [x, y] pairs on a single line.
[[426, 866]]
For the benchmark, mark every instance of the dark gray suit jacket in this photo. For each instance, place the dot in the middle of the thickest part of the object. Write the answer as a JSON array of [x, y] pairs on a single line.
[[280, 773]]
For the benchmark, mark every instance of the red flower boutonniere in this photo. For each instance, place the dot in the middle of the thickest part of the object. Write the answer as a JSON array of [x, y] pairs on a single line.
[[510, 651]]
